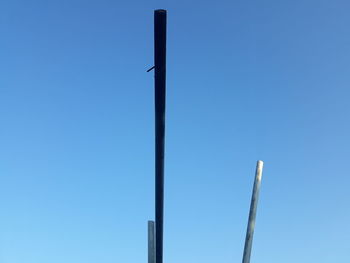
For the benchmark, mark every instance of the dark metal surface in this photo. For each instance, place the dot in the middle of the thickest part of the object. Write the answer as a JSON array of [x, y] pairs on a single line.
[[160, 19]]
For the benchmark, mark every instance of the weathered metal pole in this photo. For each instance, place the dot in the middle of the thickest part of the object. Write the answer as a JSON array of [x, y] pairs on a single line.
[[151, 243], [252, 213], [160, 21]]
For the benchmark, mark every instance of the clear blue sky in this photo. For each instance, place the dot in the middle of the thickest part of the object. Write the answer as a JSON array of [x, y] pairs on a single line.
[[247, 80]]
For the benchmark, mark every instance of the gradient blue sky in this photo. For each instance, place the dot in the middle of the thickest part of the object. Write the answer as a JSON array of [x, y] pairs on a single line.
[[247, 80]]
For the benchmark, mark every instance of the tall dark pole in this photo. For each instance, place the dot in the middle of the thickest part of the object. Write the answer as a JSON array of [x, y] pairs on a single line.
[[252, 213], [160, 18]]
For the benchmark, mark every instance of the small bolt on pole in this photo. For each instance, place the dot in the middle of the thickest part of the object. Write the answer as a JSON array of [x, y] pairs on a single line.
[[252, 213]]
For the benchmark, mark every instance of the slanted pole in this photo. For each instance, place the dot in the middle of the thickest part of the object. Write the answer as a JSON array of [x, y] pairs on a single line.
[[160, 21], [151, 243], [252, 213]]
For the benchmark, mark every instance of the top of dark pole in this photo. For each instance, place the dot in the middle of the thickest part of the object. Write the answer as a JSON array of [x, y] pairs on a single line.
[[160, 11], [160, 19]]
